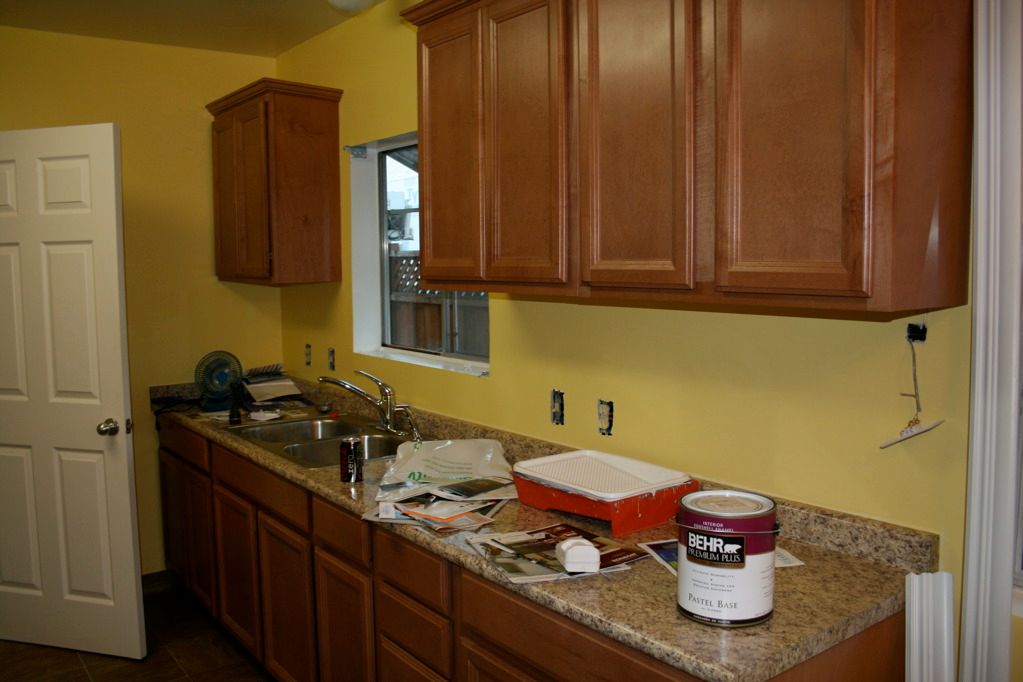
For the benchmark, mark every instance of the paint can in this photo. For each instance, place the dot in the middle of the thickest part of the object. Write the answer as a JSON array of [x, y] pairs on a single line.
[[726, 557]]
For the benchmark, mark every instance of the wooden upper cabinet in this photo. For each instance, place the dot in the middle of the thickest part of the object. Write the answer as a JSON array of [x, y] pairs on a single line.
[[493, 135], [276, 169], [843, 131], [778, 154], [637, 113], [793, 116], [451, 141], [525, 128]]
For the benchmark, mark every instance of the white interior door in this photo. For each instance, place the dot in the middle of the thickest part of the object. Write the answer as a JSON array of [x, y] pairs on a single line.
[[69, 566]]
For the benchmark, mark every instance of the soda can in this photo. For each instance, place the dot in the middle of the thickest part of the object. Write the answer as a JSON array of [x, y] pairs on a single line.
[[350, 452]]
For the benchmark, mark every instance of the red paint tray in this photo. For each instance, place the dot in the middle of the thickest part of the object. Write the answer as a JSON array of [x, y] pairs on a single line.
[[631, 494]]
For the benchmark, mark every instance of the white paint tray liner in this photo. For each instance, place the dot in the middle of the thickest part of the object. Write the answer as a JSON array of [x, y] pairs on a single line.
[[599, 475]]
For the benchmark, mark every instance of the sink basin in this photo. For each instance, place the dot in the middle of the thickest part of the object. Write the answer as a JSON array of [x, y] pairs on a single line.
[[324, 453], [313, 442], [298, 431]]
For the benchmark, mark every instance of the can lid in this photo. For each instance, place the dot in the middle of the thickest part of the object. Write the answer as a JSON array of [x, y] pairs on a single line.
[[730, 504]]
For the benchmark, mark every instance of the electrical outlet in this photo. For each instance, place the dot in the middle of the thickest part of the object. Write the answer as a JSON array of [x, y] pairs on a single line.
[[557, 407], [308, 355], [330, 359], [916, 333], [605, 416]]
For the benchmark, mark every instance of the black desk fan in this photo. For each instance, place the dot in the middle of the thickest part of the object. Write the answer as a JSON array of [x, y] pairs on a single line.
[[217, 374]]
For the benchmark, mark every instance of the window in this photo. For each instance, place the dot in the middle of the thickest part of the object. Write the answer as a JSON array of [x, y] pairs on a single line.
[[394, 316], [452, 323]]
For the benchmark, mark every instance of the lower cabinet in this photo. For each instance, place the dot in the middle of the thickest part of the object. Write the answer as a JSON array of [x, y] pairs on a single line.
[[413, 603], [186, 503], [496, 645], [394, 663], [316, 593], [344, 618], [289, 626], [198, 496], [238, 568], [476, 663], [344, 594], [264, 566]]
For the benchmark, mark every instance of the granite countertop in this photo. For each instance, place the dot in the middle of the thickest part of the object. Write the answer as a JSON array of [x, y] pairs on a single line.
[[853, 575]]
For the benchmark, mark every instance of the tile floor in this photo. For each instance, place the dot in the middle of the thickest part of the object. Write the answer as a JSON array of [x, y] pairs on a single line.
[[184, 643]]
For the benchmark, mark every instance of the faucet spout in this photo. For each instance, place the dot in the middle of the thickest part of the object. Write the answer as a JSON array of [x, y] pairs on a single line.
[[352, 388], [386, 406]]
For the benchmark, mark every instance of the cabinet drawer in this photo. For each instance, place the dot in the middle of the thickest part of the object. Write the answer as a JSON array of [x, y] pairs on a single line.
[[341, 532], [416, 629], [424, 575], [267, 490], [396, 665], [549, 641], [185, 443]]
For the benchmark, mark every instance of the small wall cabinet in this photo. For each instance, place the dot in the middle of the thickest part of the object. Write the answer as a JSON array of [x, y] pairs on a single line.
[[276, 167], [807, 154]]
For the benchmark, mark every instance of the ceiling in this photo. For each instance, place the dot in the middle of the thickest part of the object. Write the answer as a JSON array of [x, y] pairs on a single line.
[[258, 27]]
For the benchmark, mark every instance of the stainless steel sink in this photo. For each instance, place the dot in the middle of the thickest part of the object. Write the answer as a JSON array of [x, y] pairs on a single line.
[[299, 431], [313, 442], [324, 453]]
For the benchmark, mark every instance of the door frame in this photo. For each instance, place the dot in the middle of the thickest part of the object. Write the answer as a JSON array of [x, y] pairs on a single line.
[[993, 480]]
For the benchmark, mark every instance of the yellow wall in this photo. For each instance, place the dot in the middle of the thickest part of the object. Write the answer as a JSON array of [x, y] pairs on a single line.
[[177, 310], [789, 406]]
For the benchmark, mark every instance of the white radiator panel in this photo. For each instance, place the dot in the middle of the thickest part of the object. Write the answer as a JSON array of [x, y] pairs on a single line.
[[930, 640]]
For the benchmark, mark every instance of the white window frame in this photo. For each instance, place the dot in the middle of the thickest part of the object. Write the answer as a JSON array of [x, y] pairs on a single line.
[[366, 272]]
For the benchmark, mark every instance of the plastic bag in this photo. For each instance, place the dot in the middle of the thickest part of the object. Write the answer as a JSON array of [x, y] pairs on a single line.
[[444, 461]]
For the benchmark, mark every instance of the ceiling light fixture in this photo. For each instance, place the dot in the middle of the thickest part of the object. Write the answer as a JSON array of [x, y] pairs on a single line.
[[352, 6]]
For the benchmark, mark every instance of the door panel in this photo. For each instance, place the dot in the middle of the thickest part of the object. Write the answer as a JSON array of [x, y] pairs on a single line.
[[13, 381], [19, 562], [85, 525], [794, 172], [525, 105], [451, 141], [238, 568], [637, 116], [70, 319], [289, 621], [71, 493]]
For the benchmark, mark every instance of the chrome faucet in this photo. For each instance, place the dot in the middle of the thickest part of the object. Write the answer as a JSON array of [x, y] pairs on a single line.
[[385, 405]]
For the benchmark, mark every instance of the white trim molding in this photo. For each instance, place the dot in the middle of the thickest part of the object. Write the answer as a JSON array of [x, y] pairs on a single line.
[[985, 644]]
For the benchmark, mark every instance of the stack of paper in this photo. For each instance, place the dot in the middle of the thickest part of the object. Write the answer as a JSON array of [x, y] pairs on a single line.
[[531, 556], [446, 508]]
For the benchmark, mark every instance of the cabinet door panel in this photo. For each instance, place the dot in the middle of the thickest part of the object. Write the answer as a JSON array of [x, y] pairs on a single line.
[[636, 142], [241, 211], [237, 568], [344, 613], [451, 141], [525, 105], [201, 569], [172, 505], [795, 172], [289, 630]]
